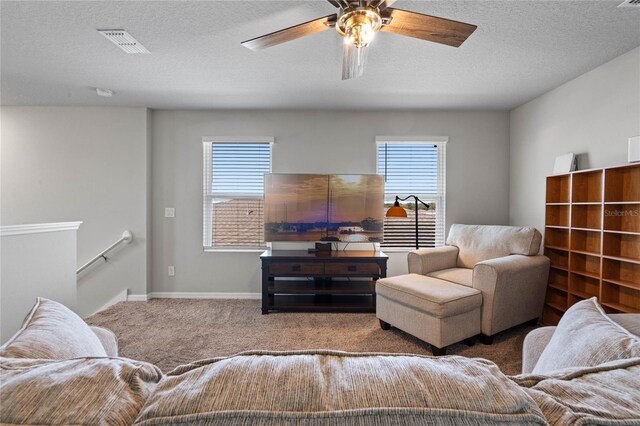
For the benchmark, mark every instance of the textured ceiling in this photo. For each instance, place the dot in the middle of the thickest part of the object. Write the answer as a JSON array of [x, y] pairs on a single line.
[[51, 54]]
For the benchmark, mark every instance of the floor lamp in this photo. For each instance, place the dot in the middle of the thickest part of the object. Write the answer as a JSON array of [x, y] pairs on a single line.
[[398, 211]]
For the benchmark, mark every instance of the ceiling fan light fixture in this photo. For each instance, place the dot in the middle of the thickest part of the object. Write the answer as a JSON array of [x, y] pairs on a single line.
[[359, 26], [357, 21], [359, 34], [353, 60]]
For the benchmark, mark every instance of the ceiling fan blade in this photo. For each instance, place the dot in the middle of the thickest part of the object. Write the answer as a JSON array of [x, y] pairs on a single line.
[[381, 4], [430, 28], [353, 61], [291, 33]]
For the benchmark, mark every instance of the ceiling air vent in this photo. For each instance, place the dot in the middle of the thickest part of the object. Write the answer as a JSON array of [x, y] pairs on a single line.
[[630, 3], [124, 41]]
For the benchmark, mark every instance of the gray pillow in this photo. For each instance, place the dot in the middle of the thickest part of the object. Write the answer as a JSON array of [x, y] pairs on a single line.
[[606, 394], [80, 391], [586, 337], [53, 331]]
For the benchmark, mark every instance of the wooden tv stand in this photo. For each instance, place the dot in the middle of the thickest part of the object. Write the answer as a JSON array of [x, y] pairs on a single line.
[[334, 281]]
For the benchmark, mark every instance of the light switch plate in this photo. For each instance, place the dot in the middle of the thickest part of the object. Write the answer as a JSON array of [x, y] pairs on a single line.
[[169, 212], [171, 270]]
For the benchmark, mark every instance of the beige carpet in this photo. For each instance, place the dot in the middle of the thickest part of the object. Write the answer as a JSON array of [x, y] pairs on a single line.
[[170, 332]]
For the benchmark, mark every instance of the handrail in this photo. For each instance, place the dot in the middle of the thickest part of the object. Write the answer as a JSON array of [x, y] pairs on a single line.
[[127, 236]]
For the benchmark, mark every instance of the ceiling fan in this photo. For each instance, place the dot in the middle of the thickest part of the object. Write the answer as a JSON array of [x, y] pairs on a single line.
[[358, 21]]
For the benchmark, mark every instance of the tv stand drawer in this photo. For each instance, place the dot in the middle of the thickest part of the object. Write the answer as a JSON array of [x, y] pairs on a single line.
[[355, 268], [296, 268]]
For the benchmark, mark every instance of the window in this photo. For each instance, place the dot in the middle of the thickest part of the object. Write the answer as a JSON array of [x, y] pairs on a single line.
[[414, 167], [234, 170]]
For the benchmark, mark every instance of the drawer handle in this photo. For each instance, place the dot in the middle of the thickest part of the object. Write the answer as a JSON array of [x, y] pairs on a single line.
[[351, 268], [296, 268]]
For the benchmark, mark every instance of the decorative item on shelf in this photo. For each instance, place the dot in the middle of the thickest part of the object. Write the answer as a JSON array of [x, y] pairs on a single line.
[[564, 164], [398, 211]]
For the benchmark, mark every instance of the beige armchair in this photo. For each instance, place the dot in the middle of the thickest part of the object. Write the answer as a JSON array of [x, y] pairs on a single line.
[[502, 262]]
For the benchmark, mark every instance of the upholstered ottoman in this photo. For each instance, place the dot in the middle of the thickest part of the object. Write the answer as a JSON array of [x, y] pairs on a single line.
[[439, 312]]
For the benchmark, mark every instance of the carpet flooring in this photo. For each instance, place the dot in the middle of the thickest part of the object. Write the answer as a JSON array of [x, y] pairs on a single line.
[[170, 332]]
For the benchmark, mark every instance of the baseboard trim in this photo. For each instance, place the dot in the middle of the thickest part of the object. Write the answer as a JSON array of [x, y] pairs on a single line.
[[120, 297], [201, 295], [137, 298]]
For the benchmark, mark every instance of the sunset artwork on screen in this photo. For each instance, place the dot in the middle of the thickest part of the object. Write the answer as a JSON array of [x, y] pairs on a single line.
[[306, 207]]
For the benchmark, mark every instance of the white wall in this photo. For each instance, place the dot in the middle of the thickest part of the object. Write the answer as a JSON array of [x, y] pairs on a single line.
[[308, 142], [592, 115], [118, 168], [36, 261], [86, 164]]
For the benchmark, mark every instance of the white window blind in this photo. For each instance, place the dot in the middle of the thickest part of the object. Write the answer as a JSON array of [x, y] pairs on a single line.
[[414, 168], [233, 195]]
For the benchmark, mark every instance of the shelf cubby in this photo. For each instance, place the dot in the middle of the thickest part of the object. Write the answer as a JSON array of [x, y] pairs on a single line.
[[586, 187], [621, 184], [601, 218], [551, 315], [557, 215], [625, 274], [610, 310], [585, 241], [559, 258], [623, 246], [623, 299], [586, 216], [556, 299], [585, 264], [557, 238], [558, 279], [584, 286], [622, 218], [574, 298], [558, 189]]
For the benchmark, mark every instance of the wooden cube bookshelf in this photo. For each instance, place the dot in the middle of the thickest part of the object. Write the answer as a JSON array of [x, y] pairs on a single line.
[[586, 216], [621, 246], [557, 238], [622, 184], [559, 279], [592, 236], [584, 286], [558, 189], [586, 265], [623, 273], [557, 215], [622, 217], [623, 299], [586, 186], [551, 315], [559, 258], [586, 242]]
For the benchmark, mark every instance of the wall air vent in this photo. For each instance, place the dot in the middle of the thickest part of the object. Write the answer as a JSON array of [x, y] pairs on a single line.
[[630, 3], [124, 41]]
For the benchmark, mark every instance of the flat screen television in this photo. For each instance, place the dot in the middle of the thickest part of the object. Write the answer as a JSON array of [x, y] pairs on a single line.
[[309, 207]]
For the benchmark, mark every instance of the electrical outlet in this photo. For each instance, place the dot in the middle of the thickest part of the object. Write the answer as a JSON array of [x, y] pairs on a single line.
[[169, 212], [171, 270]]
